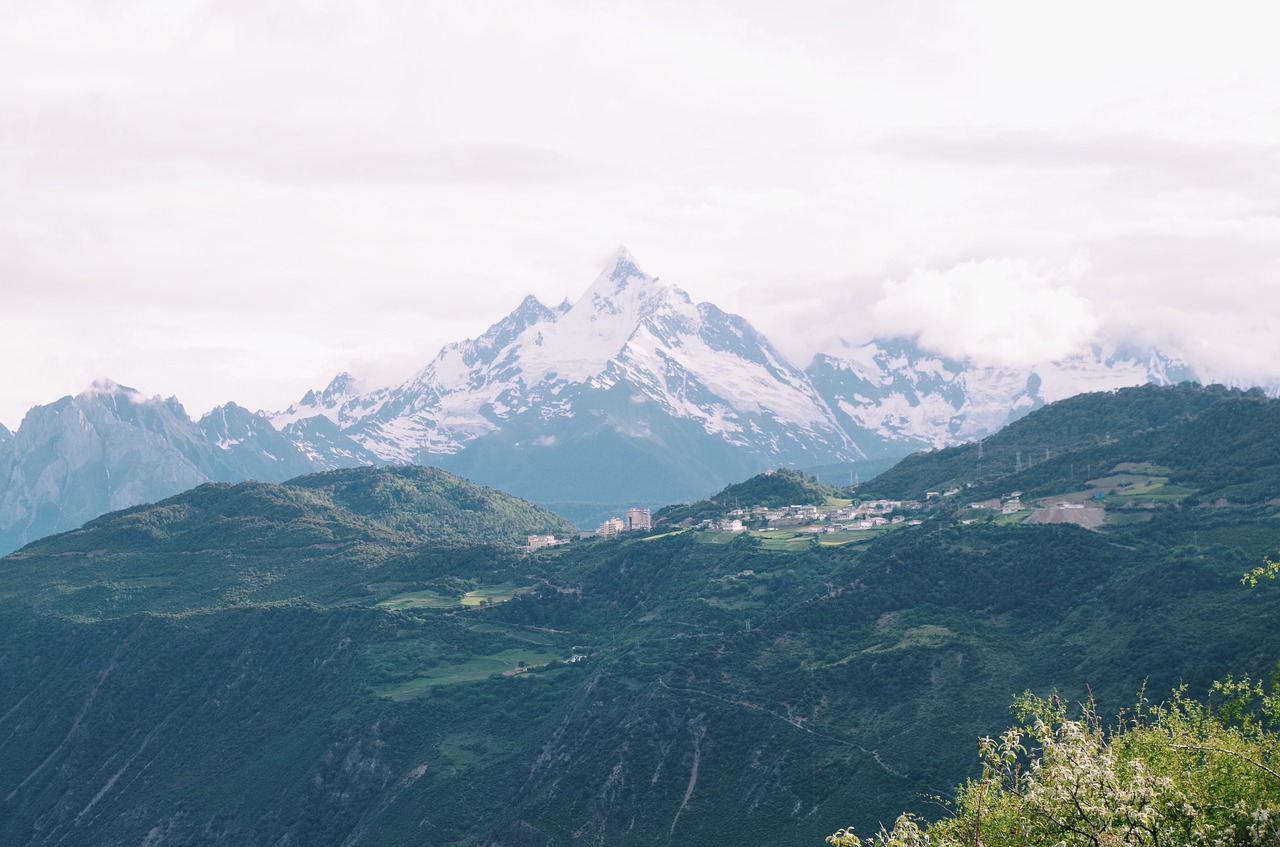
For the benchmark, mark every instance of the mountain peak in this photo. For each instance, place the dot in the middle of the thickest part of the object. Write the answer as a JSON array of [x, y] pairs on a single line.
[[343, 384], [619, 273], [621, 265], [531, 304], [621, 286], [106, 387]]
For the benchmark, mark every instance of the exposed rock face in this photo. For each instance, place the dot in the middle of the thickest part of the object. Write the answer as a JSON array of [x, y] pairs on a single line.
[[109, 447]]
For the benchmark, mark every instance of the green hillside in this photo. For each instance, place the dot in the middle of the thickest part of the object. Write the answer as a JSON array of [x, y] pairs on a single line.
[[782, 487], [336, 661], [1062, 444], [354, 536]]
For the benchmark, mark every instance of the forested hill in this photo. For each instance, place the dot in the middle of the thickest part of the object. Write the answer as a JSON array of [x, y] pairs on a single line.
[[316, 538], [1056, 448], [336, 661]]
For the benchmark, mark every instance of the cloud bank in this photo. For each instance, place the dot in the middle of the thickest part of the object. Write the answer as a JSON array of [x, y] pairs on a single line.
[[1001, 312]]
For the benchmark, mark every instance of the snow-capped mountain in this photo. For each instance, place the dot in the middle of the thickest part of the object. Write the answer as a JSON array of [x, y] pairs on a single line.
[[249, 447], [110, 447], [342, 390], [633, 395], [636, 391], [634, 361], [901, 396]]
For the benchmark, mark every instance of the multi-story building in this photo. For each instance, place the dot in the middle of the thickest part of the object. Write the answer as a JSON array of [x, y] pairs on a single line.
[[610, 528], [639, 519], [537, 542]]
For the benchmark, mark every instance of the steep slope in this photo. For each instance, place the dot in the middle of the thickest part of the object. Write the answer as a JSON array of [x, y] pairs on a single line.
[[110, 447]]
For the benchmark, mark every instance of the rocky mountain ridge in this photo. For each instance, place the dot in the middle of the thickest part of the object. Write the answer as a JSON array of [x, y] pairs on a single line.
[[629, 332], [634, 394]]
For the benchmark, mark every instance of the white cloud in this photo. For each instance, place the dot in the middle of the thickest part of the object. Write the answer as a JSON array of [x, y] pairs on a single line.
[[996, 311]]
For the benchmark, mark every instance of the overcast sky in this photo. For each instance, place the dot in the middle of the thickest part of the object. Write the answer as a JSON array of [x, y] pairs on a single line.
[[237, 199]]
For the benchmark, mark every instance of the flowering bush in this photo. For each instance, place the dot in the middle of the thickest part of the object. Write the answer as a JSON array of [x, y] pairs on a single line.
[[1181, 773]]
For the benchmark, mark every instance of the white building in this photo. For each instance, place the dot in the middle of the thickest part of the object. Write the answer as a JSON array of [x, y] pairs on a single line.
[[537, 542], [610, 528], [639, 519]]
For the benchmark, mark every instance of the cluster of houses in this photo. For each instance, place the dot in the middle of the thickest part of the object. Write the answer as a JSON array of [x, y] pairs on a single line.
[[816, 519], [865, 515], [635, 519], [1009, 504]]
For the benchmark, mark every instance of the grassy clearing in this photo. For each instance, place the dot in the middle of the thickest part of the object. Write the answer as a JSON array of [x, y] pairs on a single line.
[[521, 633], [717, 537], [420, 600], [494, 594], [1159, 493], [928, 635], [1147, 468], [475, 669], [793, 540], [736, 604], [431, 599], [664, 535], [785, 540], [1146, 486]]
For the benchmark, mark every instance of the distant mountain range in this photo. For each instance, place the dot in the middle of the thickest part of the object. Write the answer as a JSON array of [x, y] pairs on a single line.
[[632, 395]]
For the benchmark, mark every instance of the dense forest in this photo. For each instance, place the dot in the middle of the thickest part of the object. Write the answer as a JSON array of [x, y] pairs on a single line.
[[368, 657]]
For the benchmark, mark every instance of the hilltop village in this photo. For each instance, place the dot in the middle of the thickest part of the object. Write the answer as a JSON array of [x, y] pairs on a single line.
[[833, 514], [849, 519], [842, 518]]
